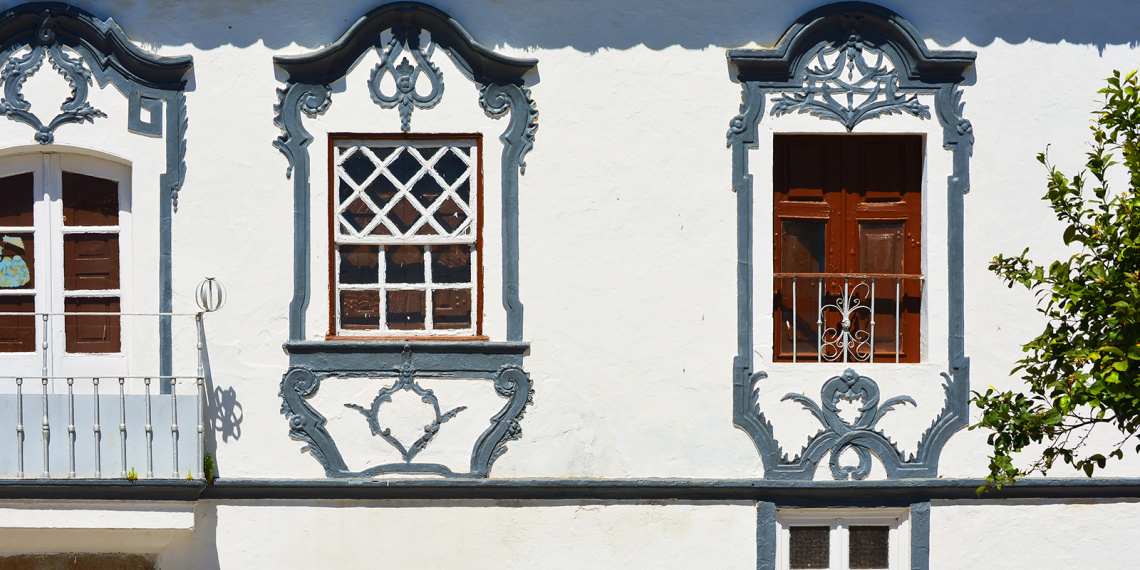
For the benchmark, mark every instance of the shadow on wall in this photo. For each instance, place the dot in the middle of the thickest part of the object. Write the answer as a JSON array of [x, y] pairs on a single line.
[[591, 25], [224, 411]]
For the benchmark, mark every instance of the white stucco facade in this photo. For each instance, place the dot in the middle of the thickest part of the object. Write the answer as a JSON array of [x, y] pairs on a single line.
[[627, 260]]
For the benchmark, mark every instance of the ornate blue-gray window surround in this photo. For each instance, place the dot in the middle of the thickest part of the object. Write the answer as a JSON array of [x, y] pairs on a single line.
[[105, 55], [832, 64], [499, 80]]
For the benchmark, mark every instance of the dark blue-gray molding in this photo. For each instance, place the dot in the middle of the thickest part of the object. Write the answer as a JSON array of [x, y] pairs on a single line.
[[146, 79], [782, 69], [501, 90]]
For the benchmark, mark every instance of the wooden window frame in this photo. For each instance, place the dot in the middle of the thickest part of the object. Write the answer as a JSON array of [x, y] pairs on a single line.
[[843, 202], [477, 267]]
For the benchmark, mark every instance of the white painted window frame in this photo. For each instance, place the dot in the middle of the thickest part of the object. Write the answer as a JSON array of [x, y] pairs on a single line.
[[47, 169], [466, 234], [839, 520]]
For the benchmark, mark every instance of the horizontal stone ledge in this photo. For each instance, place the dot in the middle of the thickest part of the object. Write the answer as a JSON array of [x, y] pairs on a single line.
[[783, 493]]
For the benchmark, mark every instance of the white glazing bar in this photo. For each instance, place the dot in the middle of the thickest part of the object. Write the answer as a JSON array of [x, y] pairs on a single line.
[[174, 423], [46, 430], [872, 320], [795, 307], [44, 379], [198, 396], [71, 428], [149, 435], [96, 429], [19, 428], [845, 339], [819, 325], [898, 303], [123, 427]]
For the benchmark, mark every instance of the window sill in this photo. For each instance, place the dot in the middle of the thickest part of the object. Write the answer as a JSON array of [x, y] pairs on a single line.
[[417, 339]]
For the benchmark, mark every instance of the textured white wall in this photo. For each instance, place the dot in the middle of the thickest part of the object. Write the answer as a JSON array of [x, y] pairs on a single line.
[[628, 249]]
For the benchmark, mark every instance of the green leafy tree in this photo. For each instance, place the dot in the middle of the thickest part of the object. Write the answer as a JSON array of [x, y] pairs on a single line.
[[1084, 369]]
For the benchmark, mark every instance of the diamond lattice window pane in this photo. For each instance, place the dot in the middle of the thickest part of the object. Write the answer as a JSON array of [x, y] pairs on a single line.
[[405, 216], [451, 167], [405, 167], [358, 215], [358, 167]]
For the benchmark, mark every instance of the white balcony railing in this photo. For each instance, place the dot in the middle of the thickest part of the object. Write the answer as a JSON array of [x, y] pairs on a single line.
[[845, 309], [131, 443]]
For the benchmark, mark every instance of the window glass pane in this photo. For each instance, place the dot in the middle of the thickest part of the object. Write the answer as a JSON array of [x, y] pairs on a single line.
[[404, 264], [450, 215], [17, 333], [90, 262], [406, 310], [89, 201], [16, 199], [358, 166], [810, 547], [450, 166], [881, 247], [405, 166], [869, 546], [17, 261], [359, 264], [451, 264], [451, 309], [360, 310], [92, 333], [357, 215], [803, 246]]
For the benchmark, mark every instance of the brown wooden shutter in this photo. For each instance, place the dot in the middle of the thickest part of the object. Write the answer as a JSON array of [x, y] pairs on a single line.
[[846, 204], [17, 197], [91, 262]]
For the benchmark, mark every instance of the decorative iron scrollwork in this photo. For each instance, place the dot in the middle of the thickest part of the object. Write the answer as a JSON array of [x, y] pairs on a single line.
[[405, 75], [406, 381], [843, 85], [17, 70]]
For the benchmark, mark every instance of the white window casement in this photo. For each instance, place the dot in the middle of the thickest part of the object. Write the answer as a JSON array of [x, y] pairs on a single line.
[[65, 230], [872, 539], [406, 236]]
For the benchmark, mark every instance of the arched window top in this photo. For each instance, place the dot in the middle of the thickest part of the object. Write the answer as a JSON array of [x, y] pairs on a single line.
[[850, 23], [405, 19]]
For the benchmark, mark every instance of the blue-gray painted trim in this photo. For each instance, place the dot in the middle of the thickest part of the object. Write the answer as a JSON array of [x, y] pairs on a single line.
[[765, 535], [780, 69], [782, 494], [146, 79], [920, 536], [501, 91], [311, 362], [500, 80]]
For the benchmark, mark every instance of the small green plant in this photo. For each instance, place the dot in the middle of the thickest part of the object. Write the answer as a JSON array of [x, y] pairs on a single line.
[[208, 469], [132, 475], [189, 476]]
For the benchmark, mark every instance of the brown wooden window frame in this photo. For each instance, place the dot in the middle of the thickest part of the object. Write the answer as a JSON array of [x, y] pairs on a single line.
[[475, 333], [845, 183]]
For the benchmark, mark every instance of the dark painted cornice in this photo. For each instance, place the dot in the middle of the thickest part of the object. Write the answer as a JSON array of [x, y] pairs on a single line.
[[337, 59], [782, 493], [105, 40], [880, 26]]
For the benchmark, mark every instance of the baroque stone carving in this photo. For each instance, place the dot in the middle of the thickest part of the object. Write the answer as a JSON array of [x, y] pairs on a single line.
[[842, 435], [307, 424], [843, 85], [405, 75], [18, 69], [406, 381], [850, 62]]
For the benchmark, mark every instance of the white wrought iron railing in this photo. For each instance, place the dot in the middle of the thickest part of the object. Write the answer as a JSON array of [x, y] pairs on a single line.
[[138, 409], [845, 312]]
